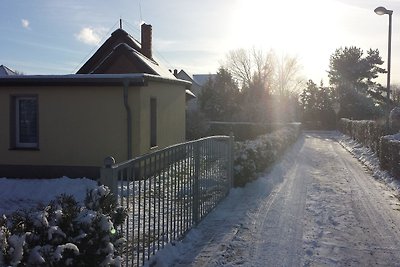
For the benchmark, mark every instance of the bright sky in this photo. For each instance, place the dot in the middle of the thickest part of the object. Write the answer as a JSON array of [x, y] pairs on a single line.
[[57, 37]]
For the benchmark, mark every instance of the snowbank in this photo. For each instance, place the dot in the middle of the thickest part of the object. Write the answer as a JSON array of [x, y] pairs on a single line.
[[27, 193], [368, 157]]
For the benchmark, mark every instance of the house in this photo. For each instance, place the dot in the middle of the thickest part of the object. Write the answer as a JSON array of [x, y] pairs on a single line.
[[4, 71], [198, 81], [121, 103]]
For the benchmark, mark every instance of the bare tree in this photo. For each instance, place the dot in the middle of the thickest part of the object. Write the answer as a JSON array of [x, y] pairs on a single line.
[[257, 68], [288, 79], [239, 63], [251, 67]]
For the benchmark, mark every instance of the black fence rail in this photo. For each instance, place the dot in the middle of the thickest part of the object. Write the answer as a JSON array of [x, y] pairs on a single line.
[[168, 191]]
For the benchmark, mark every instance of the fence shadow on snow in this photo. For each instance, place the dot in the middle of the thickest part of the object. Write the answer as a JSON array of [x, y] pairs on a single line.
[[168, 191]]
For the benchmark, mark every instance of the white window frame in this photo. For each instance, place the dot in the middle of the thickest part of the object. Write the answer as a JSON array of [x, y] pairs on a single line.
[[18, 142]]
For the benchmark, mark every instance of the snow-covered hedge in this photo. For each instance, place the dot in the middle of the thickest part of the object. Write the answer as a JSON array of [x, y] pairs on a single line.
[[367, 132], [373, 135], [243, 130], [254, 156], [64, 233], [389, 156]]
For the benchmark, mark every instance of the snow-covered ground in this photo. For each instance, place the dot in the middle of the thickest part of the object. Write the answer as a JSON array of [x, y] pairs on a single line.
[[318, 207], [27, 193]]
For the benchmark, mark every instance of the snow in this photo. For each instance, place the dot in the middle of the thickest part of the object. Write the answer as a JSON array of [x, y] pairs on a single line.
[[54, 230], [27, 193], [319, 206], [35, 257], [60, 250], [16, 242], [370, 160]]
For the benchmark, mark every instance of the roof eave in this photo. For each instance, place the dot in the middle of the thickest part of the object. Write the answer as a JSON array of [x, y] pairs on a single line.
[[139, 79]]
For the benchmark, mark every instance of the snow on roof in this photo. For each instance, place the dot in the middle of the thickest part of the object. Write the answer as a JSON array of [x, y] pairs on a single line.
[[159, 69], [87, 79], [5, 71]]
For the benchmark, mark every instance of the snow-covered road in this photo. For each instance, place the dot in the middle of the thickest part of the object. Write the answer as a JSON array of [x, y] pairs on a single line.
[[318, 207]]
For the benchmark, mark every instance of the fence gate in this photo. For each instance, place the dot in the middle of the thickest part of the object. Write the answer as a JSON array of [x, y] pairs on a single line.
[[168, 191]]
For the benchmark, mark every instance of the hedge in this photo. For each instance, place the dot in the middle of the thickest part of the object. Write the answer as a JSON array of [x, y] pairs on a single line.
[[243, 130], [372, 134], [254, 156], [389, 156], [367, 132]]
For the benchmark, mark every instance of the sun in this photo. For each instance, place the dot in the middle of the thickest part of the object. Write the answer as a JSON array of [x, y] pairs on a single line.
[[299, 28]]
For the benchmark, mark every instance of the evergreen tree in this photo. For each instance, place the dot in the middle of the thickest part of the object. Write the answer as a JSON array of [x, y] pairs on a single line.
[[352, 75], [316, 103], [219, 97]]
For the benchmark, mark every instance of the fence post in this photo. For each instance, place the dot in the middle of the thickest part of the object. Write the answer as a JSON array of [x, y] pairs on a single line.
[[196, 184], [231, 159], [107, 176]]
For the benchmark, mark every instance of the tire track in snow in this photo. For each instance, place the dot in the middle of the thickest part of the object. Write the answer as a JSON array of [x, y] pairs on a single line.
[[349, 221], [372, 210], [317, 207], [279, 233]]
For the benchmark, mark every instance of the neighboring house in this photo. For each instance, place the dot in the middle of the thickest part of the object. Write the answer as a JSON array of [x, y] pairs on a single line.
[[4, 71], [198, 81], [121, 103]]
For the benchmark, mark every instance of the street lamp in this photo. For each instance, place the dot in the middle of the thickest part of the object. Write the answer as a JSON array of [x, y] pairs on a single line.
[[383, 11]]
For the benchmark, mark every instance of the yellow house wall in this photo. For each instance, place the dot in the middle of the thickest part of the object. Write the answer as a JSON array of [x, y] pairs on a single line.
[[170, 115], [78, 126]]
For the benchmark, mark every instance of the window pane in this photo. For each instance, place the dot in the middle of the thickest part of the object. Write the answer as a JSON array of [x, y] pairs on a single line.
[[27, 124], [153, 122]]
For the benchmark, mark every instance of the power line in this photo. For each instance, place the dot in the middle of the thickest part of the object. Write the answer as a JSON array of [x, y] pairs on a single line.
[[105, 36]]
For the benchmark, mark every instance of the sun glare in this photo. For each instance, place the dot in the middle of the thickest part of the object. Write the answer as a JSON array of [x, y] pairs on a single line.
[[300, 28]]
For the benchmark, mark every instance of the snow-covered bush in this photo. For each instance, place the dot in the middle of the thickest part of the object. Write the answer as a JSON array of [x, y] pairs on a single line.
[[373, 135], [394, 119], [254, 156], [64, 233], [366, 132], [243, 130], [389, 156]]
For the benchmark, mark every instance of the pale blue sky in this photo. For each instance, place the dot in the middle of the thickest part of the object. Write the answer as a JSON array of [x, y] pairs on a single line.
[[56, 37]]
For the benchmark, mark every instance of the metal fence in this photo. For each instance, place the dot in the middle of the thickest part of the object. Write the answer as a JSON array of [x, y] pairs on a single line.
[[168, 191]]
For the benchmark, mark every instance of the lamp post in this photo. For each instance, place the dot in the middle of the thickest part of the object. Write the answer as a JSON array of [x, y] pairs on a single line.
[[383, 11]]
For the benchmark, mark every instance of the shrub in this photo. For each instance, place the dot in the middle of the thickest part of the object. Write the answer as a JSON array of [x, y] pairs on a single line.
[[254, 156], [196, 125], [389, 156], [64, 233], [373, 135], [243, 130], [367, 132]]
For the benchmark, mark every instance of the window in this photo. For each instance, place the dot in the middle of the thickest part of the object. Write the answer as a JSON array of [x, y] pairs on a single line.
[[153, 122], [24, 121]]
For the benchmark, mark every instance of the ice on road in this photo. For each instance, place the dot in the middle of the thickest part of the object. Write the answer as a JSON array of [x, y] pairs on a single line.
[[318, 207]]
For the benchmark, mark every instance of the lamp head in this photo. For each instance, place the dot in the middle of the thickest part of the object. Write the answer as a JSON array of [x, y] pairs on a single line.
[[382, 11]]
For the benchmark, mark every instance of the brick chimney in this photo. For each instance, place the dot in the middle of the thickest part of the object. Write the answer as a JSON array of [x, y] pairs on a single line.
[[147, 40]]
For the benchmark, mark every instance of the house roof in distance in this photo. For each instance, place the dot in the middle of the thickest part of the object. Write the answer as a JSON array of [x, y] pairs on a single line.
[[183, 75], [5, 71], [202, 79]]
